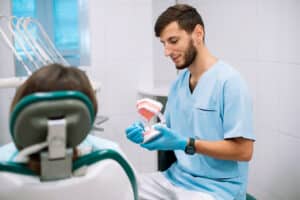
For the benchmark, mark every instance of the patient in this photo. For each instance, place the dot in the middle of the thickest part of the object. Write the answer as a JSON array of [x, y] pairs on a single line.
[[114, 173], [56, 77]]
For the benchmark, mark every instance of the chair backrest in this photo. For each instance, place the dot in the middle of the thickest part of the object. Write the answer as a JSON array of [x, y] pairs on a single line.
[[107, 176]]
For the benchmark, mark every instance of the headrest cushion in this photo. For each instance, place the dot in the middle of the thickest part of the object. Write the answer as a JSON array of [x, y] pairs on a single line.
[[29, 119]]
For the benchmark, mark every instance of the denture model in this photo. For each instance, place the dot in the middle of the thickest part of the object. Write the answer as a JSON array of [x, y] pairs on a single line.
[[149, 109]]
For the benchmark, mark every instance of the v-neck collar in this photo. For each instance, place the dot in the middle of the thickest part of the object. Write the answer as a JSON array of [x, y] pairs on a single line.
[[202, 77]]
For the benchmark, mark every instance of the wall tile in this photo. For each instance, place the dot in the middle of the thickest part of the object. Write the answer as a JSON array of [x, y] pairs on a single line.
[[278, 30], [289, 99], [230, 27], [126, 35], [163, 68], [121, 32], [268, 82], [265, 163], [287, 177]]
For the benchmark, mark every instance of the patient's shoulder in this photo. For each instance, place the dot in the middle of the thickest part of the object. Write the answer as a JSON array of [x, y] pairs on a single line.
[[7, 152], [100, 143]]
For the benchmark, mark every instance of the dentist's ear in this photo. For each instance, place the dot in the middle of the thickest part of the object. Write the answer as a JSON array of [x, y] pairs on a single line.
[[198, 34]]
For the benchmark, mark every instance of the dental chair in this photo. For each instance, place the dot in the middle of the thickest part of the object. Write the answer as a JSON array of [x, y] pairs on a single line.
[[52, 124]]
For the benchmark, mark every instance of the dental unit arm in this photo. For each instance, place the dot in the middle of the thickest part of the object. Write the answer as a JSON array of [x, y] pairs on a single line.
[[148, 109]]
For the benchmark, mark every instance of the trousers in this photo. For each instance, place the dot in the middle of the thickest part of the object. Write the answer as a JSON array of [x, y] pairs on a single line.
[[155, 186]]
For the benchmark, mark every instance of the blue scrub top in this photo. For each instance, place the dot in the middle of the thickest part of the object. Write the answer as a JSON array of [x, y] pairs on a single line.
[[219, 108]]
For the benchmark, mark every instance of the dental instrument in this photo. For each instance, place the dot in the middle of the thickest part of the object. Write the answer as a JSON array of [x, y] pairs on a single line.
[[11, 20], [36, 46], [29, 42], [47, 48], [11, 46]]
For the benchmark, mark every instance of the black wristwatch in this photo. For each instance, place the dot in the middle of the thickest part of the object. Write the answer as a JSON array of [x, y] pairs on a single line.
[[190, 147]]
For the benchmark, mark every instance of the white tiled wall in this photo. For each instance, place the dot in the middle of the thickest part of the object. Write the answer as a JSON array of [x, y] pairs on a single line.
[[121, 57], [164, 71], [279, 30], [261, 38]]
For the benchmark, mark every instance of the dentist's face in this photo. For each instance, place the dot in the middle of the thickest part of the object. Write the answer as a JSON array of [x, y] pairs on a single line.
[[179, 45]]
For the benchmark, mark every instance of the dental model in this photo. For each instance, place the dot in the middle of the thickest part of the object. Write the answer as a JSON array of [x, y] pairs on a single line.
[[148, 109]]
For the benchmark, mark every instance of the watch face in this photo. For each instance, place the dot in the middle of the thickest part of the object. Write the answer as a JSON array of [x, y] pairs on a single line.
[[190, 150]]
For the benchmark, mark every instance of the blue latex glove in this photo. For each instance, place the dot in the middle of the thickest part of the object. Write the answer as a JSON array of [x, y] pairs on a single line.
[[135, 132], [167, 140]]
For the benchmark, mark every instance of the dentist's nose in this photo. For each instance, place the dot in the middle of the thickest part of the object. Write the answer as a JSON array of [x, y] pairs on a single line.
[[168, 51]]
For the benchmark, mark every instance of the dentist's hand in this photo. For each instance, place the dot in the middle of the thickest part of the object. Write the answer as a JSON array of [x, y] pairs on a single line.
[[167, 140], [135, 132]]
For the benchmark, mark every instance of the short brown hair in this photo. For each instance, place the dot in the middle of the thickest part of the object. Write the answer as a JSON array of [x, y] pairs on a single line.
[[56, 77], [186, 16]]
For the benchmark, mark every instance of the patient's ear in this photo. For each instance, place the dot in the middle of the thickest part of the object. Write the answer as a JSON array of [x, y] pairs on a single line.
[[34, 163], [75, 153]]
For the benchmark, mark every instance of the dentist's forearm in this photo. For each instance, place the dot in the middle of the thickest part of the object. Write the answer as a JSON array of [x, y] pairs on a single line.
[[239, 149]]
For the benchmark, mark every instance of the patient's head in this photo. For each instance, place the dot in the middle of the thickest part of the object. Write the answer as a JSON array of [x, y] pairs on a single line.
[[56, 77]]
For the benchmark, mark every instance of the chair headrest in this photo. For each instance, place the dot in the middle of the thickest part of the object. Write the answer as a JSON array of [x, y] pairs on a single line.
[[29, 118]]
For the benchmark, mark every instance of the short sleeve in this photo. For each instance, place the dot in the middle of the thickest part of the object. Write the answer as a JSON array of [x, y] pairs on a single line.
[[237, 109]]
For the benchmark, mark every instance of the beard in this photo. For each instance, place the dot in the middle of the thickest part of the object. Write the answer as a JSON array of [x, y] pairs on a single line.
[[189, 56]]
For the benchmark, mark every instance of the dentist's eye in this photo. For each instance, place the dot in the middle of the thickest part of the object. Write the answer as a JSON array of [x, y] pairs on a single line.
[[173, 41]]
